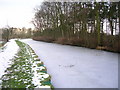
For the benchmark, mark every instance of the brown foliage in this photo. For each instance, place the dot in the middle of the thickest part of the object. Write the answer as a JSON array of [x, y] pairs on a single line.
[[61, 41], [43, 38], [101, 47], [76, 41], [90, 42]]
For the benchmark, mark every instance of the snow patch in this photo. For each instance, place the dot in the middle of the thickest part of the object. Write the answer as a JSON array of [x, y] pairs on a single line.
[[6, 55]]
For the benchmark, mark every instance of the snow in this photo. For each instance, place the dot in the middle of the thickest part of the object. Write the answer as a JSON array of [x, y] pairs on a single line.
[[77, 67], [38, 76], [7, 54], [69, 66]]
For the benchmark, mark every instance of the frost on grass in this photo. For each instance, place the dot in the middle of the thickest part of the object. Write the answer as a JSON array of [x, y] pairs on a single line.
[[26, 70]]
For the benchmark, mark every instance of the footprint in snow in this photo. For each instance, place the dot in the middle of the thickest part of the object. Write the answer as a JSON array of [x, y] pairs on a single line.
[[68, 66]]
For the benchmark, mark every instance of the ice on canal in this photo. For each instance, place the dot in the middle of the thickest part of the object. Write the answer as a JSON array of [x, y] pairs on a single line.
[[77, 67]]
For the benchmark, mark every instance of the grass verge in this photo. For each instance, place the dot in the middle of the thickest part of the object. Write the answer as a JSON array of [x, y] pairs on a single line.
[[26, 71]]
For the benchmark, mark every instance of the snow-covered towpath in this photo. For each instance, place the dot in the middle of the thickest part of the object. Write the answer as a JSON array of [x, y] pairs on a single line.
[[77, 67], [8, 53]]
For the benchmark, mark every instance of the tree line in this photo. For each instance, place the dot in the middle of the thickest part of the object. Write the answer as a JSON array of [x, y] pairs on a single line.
[[87, 24], [11, 32]]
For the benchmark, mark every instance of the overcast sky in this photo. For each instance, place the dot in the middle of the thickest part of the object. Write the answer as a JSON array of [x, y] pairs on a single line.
[[17, 13]]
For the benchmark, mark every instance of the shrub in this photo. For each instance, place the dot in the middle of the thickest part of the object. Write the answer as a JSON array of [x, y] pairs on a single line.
[[62, 40], [76, 41], [43, 38]]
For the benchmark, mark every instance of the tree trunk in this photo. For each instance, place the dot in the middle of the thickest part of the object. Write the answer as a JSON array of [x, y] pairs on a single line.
[[111, 26], [98, 23]]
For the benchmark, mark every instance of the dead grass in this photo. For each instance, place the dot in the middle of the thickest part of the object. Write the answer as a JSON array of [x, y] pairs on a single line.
[[101, 47], [44, 38], [61, 41]]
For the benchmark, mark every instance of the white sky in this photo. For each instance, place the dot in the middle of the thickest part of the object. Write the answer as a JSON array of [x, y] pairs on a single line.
[[17, 13]]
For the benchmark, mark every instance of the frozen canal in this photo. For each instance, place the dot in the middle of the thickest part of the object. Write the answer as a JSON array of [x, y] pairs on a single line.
[[77, 67]]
